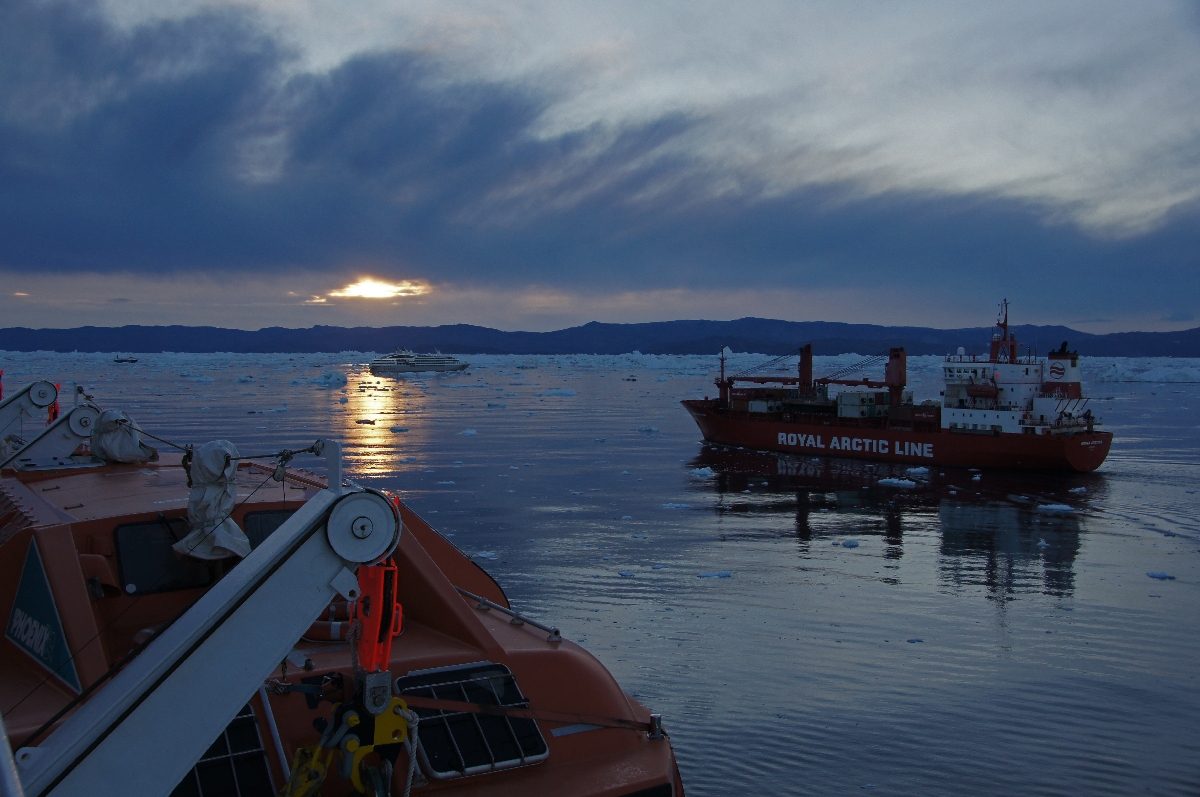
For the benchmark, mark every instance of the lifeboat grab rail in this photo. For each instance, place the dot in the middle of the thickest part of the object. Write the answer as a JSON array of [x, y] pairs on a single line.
[[517, 619]]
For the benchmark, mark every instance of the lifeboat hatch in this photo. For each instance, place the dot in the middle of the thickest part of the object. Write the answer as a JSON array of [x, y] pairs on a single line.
[[454, 744], [148, 564], [235, 764]]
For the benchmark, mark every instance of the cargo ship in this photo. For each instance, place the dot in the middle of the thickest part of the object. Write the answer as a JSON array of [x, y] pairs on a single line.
[[1011, 409]]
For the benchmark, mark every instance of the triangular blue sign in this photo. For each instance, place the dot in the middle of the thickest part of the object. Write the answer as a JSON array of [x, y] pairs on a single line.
[[34, 625]]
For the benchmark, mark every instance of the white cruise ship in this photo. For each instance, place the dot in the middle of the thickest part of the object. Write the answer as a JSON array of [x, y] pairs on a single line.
[[403, 361]]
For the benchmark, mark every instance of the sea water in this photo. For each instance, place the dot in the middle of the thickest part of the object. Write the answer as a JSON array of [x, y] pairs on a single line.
[[804, 625]]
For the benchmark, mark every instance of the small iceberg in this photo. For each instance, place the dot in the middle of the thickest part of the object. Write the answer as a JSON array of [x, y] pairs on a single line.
[[1161, 576], [918, 471], [467, 432], [399, 429], [446, 483], [624, 574], [702, 473], [647, 428], [560, 391], [1043, 544], [907, 483], [486, 555], [717, 574], [850, 543], [676, 506], [659, 567], [1056, 508], [366, 421], [1077, 490], [329, 379]]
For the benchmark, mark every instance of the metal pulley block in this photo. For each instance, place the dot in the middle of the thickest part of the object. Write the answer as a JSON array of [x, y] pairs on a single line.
[[383, 734], [364, 527], [356, 733]]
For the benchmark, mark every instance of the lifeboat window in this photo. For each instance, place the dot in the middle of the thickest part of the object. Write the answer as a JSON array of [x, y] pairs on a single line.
[[454, 744], [235, 764], [260, 525], [148, 565]]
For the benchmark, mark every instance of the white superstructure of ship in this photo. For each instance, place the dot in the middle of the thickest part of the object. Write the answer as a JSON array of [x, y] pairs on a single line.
[[403, 361]]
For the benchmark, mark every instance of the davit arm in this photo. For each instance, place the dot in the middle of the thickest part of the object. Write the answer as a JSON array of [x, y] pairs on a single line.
[[143, 731]]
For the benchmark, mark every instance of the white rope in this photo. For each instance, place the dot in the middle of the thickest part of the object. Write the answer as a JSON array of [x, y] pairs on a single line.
[[410, 747]]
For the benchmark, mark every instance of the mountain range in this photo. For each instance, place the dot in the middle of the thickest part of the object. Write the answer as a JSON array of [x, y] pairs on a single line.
[[760, 335]]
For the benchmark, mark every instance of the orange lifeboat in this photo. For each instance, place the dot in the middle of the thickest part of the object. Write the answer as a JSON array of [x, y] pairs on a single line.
[[505, 704], [983, 390]]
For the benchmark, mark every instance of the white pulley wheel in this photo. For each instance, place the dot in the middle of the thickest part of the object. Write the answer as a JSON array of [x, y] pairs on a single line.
[[42, 394], [363, 527], [83, 420]]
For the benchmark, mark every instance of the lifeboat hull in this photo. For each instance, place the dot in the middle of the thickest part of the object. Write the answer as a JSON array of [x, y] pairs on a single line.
[[1082, 452]]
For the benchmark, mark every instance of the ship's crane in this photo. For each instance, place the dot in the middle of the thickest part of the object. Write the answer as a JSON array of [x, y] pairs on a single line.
[[894, 379], [129, 738]]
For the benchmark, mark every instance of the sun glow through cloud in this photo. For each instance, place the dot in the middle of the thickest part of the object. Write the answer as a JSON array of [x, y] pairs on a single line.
[[367, 288]]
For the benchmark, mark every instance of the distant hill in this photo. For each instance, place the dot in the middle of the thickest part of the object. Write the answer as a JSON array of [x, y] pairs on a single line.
[[759, 335]]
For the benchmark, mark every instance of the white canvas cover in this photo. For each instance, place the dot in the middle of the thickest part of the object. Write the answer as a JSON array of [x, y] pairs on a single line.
[[116, 438], [214, 535]]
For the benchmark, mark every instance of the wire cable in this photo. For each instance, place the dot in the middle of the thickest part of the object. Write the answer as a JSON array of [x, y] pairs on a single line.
[[769, 364]]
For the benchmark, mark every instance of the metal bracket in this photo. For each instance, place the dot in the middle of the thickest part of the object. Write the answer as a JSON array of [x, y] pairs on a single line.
[[346, 584]]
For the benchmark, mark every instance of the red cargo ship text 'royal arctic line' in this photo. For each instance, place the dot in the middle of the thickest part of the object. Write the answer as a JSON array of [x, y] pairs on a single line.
[[1008, 411]]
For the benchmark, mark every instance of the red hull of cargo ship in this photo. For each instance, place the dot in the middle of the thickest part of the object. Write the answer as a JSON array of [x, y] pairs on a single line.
[[1083, 452]]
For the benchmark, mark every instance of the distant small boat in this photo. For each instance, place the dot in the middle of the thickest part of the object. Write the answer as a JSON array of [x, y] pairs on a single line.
[[403, 361], [120, 359]]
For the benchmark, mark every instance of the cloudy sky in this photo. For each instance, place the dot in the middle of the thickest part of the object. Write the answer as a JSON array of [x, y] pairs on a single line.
[[539, 164]]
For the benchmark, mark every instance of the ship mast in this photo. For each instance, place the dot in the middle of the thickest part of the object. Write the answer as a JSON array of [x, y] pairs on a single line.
[[1003, 343]]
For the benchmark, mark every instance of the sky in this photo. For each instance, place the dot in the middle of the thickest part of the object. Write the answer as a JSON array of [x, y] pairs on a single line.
[[542, 164]]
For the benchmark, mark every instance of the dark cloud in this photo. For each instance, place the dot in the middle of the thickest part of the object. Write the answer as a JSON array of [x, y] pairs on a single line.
[[197, 144]]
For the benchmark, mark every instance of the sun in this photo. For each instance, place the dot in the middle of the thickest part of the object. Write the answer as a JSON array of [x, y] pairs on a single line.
[[368, 288]]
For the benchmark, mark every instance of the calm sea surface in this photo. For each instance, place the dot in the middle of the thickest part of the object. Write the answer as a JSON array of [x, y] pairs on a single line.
[[803, 629]]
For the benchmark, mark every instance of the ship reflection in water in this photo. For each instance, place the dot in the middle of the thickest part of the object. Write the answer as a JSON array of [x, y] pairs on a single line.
[[1001, 538]]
